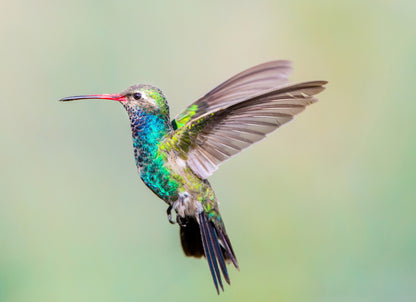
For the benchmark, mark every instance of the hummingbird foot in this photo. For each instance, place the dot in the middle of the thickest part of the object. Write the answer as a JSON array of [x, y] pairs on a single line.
[[169, 213], [179, 220]]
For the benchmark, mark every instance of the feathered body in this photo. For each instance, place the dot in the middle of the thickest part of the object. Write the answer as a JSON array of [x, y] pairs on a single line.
[[175, 158], [172, 180]]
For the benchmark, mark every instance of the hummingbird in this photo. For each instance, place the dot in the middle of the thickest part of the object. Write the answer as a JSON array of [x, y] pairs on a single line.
[[175, 157]]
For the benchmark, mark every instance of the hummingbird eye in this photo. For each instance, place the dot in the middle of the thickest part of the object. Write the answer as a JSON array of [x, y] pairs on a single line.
[[137, 96]]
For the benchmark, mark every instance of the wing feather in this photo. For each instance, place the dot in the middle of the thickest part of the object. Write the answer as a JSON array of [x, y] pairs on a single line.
[[240, 87], [216, 136]]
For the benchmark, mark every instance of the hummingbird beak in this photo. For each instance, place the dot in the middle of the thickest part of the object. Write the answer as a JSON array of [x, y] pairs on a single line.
[[113, 97]]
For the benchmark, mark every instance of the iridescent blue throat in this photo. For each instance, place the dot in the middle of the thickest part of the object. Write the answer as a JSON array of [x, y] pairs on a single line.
[[147, 131]]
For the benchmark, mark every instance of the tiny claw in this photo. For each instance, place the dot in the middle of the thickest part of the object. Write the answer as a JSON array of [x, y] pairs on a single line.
[[169, 212]]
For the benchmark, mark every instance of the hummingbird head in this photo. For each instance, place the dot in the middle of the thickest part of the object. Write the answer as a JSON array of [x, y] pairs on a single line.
[[146, 98], [136, 98]]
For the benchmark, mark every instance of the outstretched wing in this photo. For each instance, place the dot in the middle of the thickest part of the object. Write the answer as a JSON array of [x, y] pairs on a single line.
[[240, 87], [212, 138]]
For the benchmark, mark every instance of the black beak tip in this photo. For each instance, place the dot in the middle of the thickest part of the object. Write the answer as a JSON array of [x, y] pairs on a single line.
[[65, 99]]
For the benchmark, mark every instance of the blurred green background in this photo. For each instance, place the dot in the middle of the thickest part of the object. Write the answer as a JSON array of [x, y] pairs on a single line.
[[323, 210]]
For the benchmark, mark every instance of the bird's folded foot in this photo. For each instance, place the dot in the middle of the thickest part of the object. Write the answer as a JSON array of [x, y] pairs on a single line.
[[182, 221], [169, 213]]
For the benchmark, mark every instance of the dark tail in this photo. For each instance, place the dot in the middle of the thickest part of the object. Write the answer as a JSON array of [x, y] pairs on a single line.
[[205, 238]]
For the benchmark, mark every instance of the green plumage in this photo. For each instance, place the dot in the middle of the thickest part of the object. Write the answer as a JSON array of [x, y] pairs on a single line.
[[175, 158]]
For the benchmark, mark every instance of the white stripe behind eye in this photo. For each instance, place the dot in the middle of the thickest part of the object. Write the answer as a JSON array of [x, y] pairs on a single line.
[[149, 99]]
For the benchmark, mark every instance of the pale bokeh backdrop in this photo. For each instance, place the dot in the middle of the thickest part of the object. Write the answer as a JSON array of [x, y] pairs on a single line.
[[323, 210]]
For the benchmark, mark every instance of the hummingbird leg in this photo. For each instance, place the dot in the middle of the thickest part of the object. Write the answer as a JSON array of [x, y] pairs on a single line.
[[179, 220], [169, 213]]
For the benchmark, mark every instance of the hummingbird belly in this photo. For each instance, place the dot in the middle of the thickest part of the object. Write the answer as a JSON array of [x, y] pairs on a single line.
[[193, 193]]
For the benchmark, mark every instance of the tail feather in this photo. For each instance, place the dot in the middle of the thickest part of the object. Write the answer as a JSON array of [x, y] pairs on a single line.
[[217, 249], [228, 249], [201, 237], [218, 254], [206, 234], [191, 238]]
